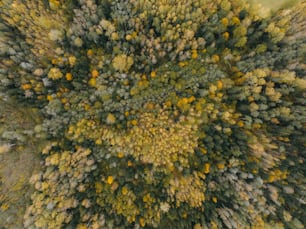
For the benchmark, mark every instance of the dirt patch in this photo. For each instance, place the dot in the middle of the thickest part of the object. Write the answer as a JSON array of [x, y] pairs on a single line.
[[16, 164]]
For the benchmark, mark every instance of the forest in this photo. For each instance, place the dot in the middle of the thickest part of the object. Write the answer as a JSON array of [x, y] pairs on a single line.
[[185, 114]]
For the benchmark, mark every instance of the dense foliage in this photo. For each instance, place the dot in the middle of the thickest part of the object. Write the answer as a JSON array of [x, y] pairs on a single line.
[[158, 113]]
